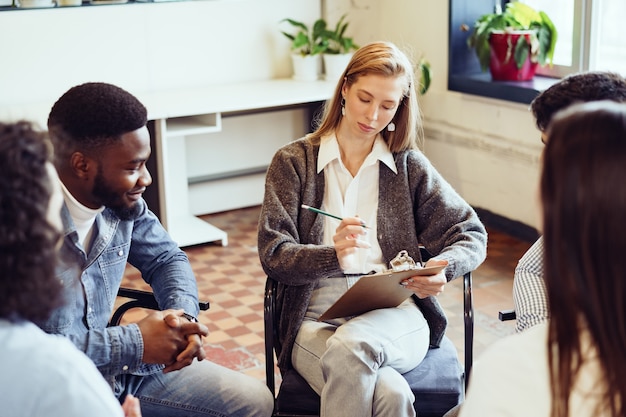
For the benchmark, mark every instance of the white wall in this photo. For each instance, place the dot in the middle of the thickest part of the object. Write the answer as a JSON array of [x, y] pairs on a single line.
[[488, 149], [144, 47]]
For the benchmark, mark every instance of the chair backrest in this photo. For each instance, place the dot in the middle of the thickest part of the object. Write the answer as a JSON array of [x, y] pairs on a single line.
[[139, 299]]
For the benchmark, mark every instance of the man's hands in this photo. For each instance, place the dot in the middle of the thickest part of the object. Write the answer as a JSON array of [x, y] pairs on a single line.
[[427, 285], [171, 339]]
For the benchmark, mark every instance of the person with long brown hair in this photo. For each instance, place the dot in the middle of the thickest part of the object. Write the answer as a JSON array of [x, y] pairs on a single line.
[[575, 363]]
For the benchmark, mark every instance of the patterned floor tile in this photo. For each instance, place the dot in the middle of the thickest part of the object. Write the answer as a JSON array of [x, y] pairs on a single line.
[[232, 279]]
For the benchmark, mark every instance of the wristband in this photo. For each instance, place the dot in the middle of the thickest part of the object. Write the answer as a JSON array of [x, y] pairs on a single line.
[[190, 318]]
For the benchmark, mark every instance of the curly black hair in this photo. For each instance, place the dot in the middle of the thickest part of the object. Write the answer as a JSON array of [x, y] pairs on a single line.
[[575, 88], [28, 288], [92, 115]]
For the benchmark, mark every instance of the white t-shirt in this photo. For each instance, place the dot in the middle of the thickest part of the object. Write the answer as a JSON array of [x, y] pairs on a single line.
[[511, 379], [46, 375]]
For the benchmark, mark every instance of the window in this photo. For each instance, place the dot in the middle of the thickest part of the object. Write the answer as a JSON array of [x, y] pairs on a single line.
[[608, 46], [566, 17], [590, 35], [589, 38]]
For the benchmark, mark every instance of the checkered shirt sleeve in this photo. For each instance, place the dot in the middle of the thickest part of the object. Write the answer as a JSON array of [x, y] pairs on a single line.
[[529, 289]]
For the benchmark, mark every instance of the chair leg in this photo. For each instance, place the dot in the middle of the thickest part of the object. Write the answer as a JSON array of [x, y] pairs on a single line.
[[468, 309], [268, 320]]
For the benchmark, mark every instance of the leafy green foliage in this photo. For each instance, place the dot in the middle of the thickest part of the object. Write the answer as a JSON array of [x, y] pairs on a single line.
[[517, 16], [521, 51], [425, 75], [307, 41], [337, 42]]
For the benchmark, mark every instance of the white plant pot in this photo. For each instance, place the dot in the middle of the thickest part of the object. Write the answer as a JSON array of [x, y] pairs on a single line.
[[335, 65], [34, 4], [306, 68], [70, 2]]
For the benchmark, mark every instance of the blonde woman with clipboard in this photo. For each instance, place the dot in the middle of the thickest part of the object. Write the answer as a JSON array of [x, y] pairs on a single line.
[[362, 164]]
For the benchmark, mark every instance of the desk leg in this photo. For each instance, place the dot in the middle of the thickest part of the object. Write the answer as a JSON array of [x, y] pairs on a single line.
[[185, 228]]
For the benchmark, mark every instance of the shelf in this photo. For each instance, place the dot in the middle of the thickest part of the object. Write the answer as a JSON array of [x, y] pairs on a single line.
[[194, 125], [227, 174], [4, 7], [189, 230], [234, 97]]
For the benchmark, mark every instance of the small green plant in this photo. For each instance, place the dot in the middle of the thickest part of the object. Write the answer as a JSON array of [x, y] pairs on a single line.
[[307, 41], [424, 74], [336, 41], [516, 16]]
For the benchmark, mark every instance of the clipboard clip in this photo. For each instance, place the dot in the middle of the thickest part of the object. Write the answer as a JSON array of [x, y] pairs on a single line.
[[402, 262]]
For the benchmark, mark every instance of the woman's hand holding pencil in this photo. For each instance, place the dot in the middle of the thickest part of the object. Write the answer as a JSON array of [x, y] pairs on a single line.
[[347, 237]]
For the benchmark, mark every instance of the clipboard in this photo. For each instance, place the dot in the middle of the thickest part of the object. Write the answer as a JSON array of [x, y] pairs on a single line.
[[370, 292]]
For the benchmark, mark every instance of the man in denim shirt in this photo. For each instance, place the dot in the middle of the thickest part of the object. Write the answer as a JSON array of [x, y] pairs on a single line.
[[101, 148]]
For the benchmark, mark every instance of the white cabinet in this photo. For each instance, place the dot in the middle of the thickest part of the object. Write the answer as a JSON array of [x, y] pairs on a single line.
[[214, 145]]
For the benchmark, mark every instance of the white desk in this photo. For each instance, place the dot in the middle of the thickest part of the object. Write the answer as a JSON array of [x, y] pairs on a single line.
[[179, 115]]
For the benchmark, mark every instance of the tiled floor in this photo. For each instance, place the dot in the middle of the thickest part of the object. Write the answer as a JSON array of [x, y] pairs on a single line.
[[232, 280]]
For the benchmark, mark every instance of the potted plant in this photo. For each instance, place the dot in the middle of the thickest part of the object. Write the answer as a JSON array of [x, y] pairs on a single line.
[[338, 51], [512, 43], [307, 45], [423, 75]]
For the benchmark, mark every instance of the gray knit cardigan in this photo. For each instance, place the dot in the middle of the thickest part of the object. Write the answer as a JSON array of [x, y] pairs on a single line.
[[416, 206]]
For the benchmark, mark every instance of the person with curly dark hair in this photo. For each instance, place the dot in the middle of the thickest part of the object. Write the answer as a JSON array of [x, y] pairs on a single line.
[[67, 383], [576, 88], [101, 147]]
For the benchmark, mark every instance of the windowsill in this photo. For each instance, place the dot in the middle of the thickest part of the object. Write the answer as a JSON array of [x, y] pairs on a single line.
[[481, 84]]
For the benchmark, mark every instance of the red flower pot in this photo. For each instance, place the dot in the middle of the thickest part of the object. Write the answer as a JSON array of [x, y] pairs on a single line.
[[502, 64]]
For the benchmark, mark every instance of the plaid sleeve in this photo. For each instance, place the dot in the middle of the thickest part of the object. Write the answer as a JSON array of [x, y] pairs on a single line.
[[529, 290]]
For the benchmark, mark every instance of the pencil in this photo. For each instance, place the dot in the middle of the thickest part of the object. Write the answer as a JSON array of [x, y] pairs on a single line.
[[324, 213]]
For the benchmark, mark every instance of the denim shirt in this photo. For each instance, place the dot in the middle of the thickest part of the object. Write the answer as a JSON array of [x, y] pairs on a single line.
[[91, 282]]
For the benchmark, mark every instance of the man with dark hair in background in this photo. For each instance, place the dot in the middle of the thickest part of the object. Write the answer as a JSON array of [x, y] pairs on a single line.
[[529, 292]]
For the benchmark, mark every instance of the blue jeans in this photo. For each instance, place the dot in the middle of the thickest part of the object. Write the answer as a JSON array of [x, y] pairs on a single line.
[[356, 367], [199, 390]]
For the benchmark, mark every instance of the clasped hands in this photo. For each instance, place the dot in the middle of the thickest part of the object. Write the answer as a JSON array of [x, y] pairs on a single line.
[[170, 339], [349, 237]]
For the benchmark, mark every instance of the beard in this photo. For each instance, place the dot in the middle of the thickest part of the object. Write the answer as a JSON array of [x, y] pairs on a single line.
[[113, 200]]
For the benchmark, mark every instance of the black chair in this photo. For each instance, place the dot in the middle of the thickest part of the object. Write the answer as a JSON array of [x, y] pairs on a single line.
[[438, 383], [139, 299]]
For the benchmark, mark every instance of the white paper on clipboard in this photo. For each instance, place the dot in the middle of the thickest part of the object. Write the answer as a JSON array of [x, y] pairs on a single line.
[[370, 292]]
